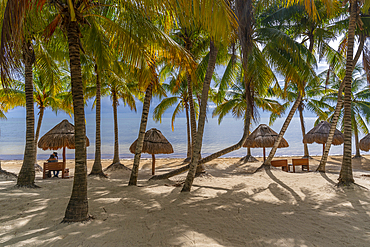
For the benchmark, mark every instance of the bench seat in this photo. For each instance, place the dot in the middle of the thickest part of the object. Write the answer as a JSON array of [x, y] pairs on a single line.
[[301, 162], [55, 166], [281, 163]]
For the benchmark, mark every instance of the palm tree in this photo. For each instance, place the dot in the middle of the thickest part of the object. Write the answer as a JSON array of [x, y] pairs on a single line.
[[178, 88], [311, 102], [321, 167], [120, 88], [360, 105], [44, 97], [235, 102], [17, 49]]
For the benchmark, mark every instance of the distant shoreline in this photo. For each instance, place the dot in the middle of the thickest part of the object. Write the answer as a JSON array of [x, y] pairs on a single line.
[[147, 156]]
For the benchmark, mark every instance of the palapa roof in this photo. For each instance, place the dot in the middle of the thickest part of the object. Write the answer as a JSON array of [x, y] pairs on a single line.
[[62, 135], [365, 143], [320, 133], [154, 143], [264, 136]]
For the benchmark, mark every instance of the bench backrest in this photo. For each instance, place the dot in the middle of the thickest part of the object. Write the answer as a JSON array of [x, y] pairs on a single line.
[[54, 165], [298, 162], [278, 163]]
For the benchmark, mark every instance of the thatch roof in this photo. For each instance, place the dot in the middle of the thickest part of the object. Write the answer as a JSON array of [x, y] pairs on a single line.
[[365, 143], [320, 133], [264, 136], [154, 143], [62, 135]]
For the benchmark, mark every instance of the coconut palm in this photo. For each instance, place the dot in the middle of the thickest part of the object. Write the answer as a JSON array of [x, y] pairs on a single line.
[[235, 102], [360, 105], [45, 96], [180, 100], [16, 50]]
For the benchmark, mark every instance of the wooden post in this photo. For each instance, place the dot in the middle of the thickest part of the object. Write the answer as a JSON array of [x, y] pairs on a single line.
[[264, 155], [64, 161], [153, 164]]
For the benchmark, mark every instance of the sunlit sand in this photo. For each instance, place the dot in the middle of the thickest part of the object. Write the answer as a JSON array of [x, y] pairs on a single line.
[[230, 206]]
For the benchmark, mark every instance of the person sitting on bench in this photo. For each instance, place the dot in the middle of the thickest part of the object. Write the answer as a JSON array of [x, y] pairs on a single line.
[[54, 158]]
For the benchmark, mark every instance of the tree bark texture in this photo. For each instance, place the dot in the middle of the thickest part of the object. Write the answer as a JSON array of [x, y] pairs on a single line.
[[188, 155], [346, 176], [193, 122], [202, 117], [140, 139], [115, 117], [305, 146], [77, 209], [334, 120], [39, 122], [97, 166], [357, 142], [267, 162], [26, 177]]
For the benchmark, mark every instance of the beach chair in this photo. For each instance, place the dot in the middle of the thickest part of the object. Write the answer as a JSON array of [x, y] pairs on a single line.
[[281, 163], [301, 162]]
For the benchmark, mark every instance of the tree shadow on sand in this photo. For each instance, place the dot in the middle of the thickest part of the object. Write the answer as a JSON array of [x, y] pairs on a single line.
[[229, 214]]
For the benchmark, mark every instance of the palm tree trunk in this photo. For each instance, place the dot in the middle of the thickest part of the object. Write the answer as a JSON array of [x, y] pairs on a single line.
[[305, 146], [267, 162], [357, 142], [214, 155], [115, 117], [41, 116], [202, 117], [188, 155], [193, 122], [334, 120], [140, 139], [26, 177], [97, 166], [346, 176], [77, 209]]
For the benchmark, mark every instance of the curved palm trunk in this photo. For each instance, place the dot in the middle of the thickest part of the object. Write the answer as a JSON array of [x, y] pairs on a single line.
[[214, 155], [39, 122], [202, 117], [26, 177], [77, 209], [305, 146], [140, 139], [338, 108], [334, 121], [346, 176], [115, 117], [267, 162], [97, 166], [188, 155]]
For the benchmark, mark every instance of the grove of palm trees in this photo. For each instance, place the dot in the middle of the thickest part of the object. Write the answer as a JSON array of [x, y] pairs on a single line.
[[206, 73]]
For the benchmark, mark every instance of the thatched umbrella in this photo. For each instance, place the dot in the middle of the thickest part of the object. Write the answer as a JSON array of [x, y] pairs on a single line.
[[365, 143], [264, 137], [320, 134], [61, 136], [154, 143]]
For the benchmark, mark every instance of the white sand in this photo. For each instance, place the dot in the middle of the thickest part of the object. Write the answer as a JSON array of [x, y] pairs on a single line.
[[229, 207]]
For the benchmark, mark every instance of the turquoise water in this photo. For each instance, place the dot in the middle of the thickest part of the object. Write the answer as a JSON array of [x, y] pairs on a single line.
[[216, 137]]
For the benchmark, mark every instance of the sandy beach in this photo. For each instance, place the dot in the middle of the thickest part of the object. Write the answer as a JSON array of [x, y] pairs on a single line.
[[230, 206]]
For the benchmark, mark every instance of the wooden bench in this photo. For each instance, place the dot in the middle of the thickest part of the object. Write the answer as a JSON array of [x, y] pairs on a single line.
[[55, 166], [281, 163], [301, 162]]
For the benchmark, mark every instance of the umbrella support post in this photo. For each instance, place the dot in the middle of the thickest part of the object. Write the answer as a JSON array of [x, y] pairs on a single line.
[[264, 155], [153, 164]]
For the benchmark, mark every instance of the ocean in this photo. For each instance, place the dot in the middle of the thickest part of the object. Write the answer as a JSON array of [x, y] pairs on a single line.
[[216, 137]]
